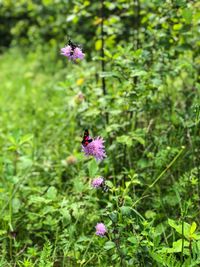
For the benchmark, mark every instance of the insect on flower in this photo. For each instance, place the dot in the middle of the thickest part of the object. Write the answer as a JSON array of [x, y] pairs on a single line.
[[72, 51], [100, 183], [93, 147], [73, 47], [86, 138]]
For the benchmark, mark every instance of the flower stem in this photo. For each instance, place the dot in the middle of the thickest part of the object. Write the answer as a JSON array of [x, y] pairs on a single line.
[[103, 55], [102, 47]]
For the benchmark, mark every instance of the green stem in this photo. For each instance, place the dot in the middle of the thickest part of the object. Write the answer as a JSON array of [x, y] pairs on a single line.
[[182, 241], [102, 47], [88, 246], [164, 171], [103, 55], [10, 223]]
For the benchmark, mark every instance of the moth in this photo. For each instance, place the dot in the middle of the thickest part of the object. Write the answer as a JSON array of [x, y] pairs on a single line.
[[86, 138]]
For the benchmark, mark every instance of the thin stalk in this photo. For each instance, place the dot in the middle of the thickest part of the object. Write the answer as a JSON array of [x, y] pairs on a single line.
[[10, 223], [124, 164], [102, 54], [182, 240], [10, 204], [102, 47], [117, 244], [136, 44], [168, 167], [165, 170], [87, 248]]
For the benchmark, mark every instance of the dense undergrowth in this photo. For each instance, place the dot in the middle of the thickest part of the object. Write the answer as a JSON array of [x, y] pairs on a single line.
[[48, 208], [142, 95]]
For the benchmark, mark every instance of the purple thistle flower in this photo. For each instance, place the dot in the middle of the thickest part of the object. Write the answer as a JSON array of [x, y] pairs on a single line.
[[66, 51], [78, 54], [71, 53], [100, 229], [97, 182], [95, 148]]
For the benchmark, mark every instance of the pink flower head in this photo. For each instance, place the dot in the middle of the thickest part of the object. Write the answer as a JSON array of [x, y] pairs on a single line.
[[66, 51], [98, 182], [95, 148], [100, 229], [78, 54], [72, 53]]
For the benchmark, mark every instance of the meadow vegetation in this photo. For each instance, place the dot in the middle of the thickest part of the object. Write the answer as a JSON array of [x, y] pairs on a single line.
[[137, 88]]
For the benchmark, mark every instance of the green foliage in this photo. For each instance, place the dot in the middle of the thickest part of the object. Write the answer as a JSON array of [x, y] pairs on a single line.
[[148, 116]]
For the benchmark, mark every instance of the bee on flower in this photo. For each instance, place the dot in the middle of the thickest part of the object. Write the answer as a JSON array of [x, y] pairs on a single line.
[[72, 51]]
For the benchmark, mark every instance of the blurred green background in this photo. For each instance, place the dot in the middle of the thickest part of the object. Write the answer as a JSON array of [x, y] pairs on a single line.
[[138, 87]]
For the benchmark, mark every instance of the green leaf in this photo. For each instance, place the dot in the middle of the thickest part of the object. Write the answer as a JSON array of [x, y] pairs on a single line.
[[135, 73], [150, 214], [98, 45], [107, 74], [107, 53], [139, 139], [193, 228], [16, 204], [26, 139], [109, 245], [128, 140], [177, 26], [185, 230], [93, 168], [66, 215], [3, 232], [51, 193], [125, 210], [125, 139], [109, 184], [132, 239], [187, 15], [177, 245]]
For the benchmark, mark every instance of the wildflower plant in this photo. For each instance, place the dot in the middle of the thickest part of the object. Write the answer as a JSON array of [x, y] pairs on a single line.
[[72, 53], [101, 229], [97, 182], [96, 149]]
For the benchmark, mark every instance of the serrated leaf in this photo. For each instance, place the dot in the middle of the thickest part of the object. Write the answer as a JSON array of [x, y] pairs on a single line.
[[25, 139]]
